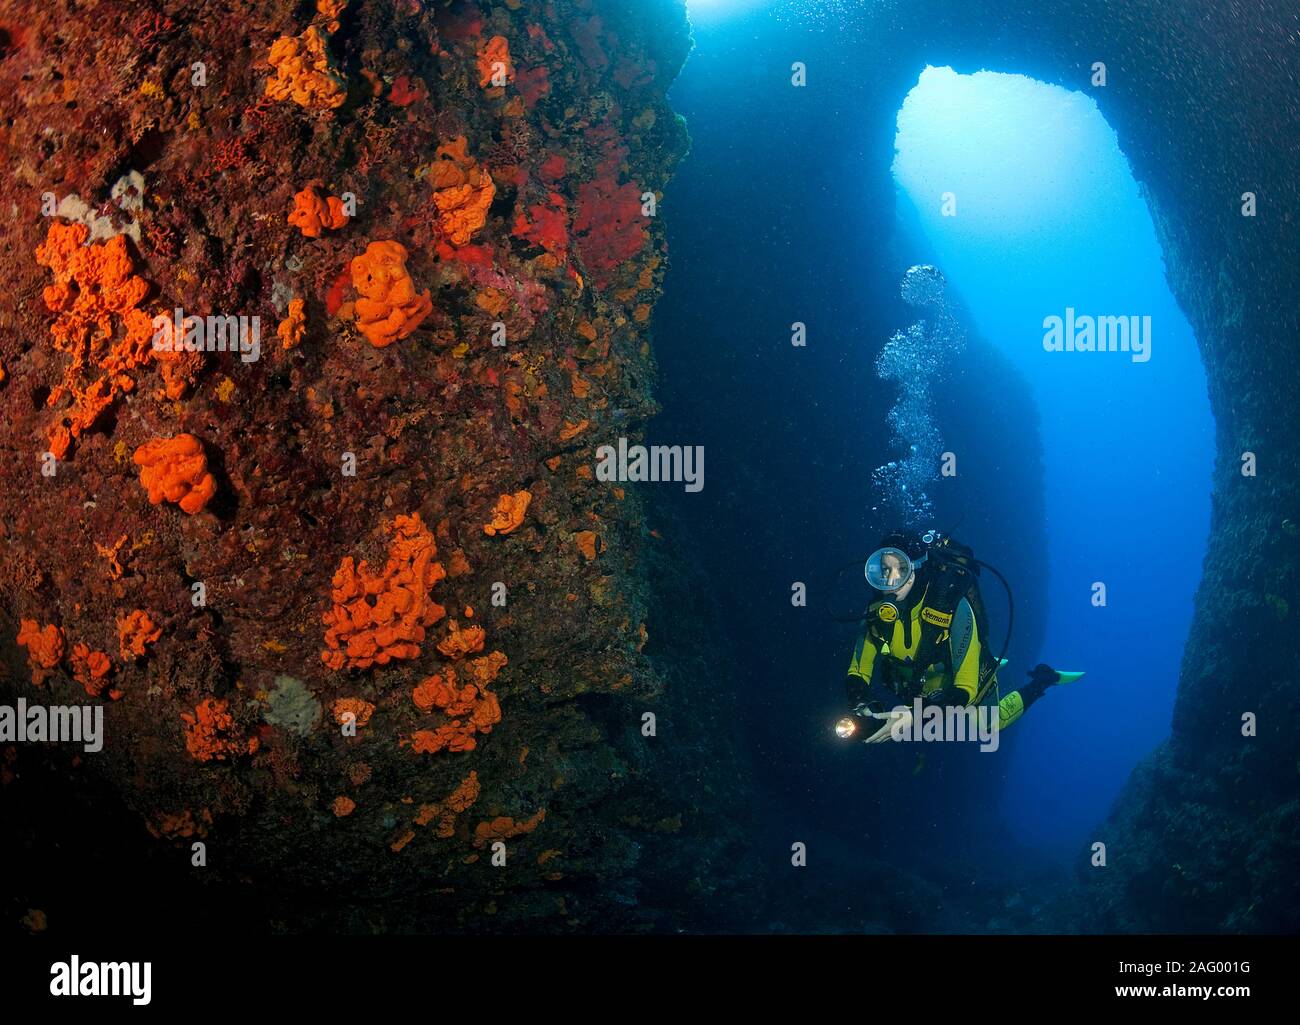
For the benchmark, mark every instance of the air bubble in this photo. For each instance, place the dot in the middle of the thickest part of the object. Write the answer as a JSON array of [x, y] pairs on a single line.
[[914, 358]]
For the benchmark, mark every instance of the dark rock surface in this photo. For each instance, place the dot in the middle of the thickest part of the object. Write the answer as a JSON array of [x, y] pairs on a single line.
[[305, 827]]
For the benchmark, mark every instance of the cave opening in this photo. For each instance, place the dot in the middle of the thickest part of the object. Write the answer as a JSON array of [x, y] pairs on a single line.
[[1018, 191]]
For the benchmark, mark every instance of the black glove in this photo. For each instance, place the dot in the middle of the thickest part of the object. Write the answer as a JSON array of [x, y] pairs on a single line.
[[1040, 678], [856, 690], [947, 697], [1043, 675]]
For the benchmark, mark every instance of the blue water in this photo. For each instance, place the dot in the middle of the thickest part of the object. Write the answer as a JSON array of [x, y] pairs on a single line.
[[1048, 216], [1074, 468]]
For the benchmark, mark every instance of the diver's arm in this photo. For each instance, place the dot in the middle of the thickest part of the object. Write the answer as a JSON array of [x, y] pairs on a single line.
[[857, 682]]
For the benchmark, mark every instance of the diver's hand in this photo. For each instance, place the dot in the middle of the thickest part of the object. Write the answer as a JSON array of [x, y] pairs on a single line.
[[900, 718]]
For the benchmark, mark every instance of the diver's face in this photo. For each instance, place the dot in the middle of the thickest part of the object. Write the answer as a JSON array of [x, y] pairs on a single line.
[[895, 574]]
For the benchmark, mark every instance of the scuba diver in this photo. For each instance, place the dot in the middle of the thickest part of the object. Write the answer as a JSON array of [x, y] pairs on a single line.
[[925, 636]]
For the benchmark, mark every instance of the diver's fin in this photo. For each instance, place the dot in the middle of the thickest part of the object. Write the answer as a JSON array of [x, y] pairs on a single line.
[[1064, 677]]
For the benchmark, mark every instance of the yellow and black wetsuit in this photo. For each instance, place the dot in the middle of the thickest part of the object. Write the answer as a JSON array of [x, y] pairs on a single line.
[[887, 650]]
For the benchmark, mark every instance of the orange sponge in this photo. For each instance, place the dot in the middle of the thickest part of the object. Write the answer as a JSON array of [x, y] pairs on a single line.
[[95, 287], [91, 669], [509, 513], [460, 643], [135, 633], [294, 326], [377, 617], [389, 307], [494, 57], [463, 191], [303, 72], [312, 215], [208, 732], [45, 647], [176, 469], [505, 828]]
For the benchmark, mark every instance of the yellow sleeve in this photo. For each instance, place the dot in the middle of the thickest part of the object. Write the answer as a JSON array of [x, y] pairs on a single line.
[[967, 676], [864, 659]]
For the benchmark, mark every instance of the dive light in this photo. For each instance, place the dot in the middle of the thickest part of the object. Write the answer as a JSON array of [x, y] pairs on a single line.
[[850, 727]]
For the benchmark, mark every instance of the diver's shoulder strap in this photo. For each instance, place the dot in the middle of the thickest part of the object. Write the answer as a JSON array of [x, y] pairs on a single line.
[[939, 606]]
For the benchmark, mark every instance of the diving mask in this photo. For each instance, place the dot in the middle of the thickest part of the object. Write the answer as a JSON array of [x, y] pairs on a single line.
[[889, 569]]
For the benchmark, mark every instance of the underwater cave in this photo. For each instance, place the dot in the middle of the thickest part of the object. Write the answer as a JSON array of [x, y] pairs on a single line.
[[365, 623], [837, 233]]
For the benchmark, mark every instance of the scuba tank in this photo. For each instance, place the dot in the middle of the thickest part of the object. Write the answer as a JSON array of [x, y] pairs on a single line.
[[953, 577]]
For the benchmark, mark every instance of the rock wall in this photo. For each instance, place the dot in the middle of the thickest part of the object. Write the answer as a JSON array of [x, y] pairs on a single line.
[[352, 600]]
